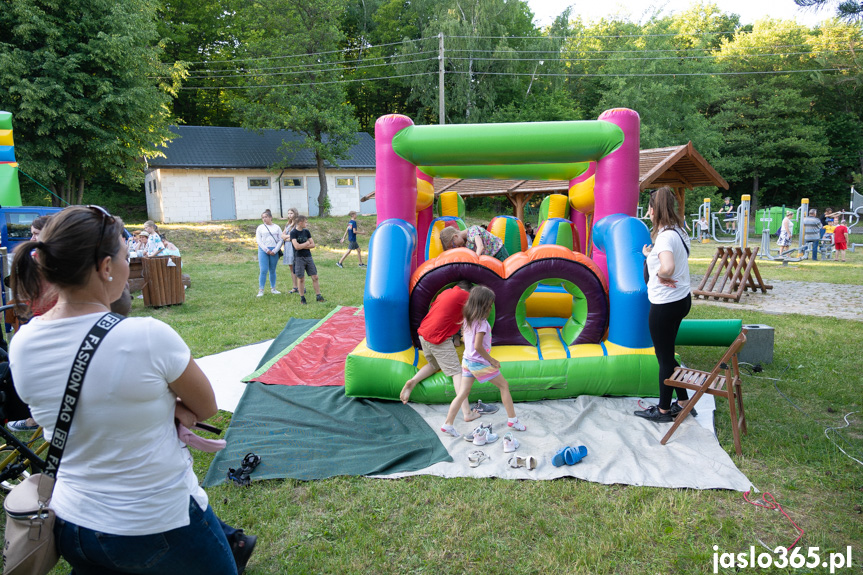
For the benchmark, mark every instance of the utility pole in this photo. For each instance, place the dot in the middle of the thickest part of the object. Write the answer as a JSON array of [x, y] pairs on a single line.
[[440, 74]]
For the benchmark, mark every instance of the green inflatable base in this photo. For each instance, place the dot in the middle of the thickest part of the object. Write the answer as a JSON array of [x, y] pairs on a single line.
[[617, 375]]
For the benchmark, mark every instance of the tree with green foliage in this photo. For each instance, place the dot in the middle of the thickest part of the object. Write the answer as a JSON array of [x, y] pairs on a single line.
[[87, 89], [773, 139], [292, 79], [199, 34]]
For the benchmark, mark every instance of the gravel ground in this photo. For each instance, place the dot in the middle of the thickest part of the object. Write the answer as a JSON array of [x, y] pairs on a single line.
[[807, 298]]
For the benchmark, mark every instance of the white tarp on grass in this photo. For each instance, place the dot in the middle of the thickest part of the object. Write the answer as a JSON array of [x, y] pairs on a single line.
[[226, 371], [621, 447]]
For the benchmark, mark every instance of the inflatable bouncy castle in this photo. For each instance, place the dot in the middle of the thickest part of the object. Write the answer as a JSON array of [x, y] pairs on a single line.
[[570, 314]]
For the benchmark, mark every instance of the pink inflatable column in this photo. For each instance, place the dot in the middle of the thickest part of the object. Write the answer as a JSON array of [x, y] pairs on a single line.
[[396, 180], [616, 188]]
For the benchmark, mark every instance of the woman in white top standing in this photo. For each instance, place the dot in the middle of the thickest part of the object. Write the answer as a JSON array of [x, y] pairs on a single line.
[[269, 238], [668, 290], [126, 496]]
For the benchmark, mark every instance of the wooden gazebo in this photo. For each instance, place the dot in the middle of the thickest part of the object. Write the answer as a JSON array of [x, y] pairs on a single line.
[[679, 167]]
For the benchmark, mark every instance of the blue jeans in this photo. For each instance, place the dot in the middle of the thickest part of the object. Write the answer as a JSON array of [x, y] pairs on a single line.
[[813, 247], [200, 547], [267, 263]]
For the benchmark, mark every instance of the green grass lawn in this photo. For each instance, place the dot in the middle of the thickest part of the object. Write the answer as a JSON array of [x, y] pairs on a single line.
[[438, 526]]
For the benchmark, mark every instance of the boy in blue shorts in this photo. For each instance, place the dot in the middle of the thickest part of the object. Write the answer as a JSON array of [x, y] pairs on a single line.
[[303, 243], [351, 233]]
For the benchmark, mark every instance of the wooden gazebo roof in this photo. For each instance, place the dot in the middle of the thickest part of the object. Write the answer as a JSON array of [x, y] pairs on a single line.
[[679, 167]]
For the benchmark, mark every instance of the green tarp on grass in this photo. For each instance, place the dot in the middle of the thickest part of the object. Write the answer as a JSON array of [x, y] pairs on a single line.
[[317, 432]]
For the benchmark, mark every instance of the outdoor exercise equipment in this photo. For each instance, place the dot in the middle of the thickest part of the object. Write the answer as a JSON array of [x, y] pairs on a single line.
[[574, 344]]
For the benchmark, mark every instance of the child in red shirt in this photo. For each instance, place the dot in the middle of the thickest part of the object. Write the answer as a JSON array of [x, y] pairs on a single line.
[[443, 321], [840, 239]]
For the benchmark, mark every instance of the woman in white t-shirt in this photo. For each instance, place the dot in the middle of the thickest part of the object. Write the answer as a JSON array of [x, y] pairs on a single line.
[[126, 497], [670, 296], [269, 239]]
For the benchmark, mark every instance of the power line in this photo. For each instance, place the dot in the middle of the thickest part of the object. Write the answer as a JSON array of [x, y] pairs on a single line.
[[578, 36], [714, 56], [525, 74], [647, 74], [343, 50], [296, 66], [638, 50], [339, 68], [305, 84], [336, 69]]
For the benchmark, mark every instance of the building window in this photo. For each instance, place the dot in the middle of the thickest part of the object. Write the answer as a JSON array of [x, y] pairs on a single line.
[[345, 182], [259, 183], [292, 182]]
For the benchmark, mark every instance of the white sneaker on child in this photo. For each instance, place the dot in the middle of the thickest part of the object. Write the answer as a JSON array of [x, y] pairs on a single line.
[[450, 430], [516, 425]]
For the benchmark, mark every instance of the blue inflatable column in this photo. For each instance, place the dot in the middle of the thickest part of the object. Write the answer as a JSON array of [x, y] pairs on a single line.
[[622, 237], [386, 295]]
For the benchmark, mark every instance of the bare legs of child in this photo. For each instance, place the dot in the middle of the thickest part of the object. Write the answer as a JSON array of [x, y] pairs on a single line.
[[462, 394], [301, 286], [347, 253], [457, 381]]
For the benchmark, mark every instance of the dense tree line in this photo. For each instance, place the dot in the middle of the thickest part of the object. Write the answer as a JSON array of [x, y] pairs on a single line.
[[775, 106]]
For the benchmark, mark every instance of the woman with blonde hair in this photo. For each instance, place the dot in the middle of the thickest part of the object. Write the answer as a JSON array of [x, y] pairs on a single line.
[[669, 293], [288, 258]]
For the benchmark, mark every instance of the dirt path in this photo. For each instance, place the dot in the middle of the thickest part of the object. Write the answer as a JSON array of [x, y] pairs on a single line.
[[807, 298]]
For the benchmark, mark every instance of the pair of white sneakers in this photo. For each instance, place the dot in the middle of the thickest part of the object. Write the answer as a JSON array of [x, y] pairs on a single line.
[[482, 435]]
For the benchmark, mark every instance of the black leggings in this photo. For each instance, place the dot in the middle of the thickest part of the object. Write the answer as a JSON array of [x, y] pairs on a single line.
[[664, 321]]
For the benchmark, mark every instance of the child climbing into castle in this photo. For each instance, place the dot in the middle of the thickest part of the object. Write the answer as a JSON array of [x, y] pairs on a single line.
[[476, 362], [441, 323], [476, 239]]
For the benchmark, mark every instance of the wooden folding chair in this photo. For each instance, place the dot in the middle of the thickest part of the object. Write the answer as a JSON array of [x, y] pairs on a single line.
[[722, 381]]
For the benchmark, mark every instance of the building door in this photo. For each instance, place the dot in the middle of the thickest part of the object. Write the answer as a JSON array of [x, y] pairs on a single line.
[[313, 187], [367, 186], [222, 203]]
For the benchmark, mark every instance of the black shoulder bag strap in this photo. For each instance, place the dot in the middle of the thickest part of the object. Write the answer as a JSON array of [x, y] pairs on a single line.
[[682, 240], [73, 389], [644, 267]]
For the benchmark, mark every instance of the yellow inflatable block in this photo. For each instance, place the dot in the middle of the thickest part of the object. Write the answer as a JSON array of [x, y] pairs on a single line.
[[581, 195], [614, 349], [406, 356], [557, 206], [449, 204], [586, 350], [6, 138], [549, 304], [425, 194]]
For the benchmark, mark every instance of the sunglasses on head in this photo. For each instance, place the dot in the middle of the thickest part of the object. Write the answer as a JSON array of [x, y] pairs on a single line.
[[106, 219]]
